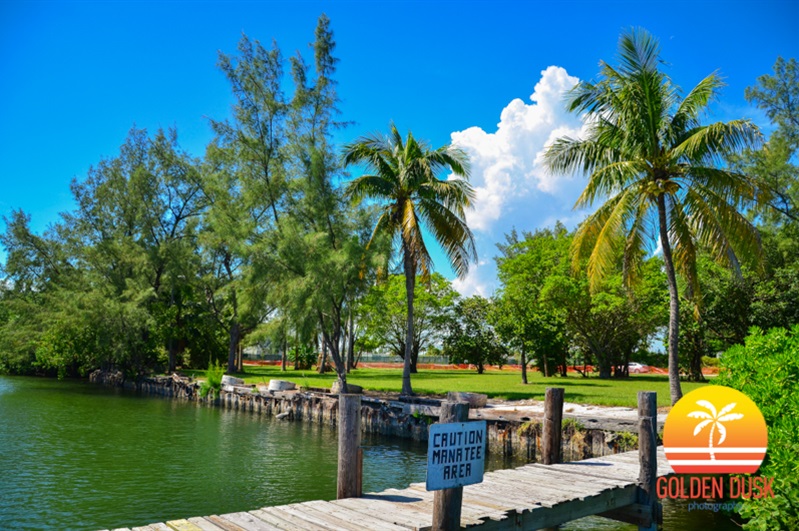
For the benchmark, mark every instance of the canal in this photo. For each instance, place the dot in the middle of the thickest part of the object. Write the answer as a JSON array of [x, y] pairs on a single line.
[[76, 456]]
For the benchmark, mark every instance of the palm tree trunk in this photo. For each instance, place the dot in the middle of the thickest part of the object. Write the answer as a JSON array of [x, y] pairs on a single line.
[[410, 283], [674, 304]]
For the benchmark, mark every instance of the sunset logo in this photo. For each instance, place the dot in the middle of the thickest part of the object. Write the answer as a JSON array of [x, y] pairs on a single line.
[[715, 430]]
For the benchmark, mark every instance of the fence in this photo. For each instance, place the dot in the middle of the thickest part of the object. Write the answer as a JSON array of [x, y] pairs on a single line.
[[259, 354]]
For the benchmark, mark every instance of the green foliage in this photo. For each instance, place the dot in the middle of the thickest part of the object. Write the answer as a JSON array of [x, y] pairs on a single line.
[[384, 314], [169, 254], [213, 380], [774, 166], [626, 441], [303, 356], [521, 317], [731, 304], [572, 425], [766, 369], [471, 338], [707, 361]]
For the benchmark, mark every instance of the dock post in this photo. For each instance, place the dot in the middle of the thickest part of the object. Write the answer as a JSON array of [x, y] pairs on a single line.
[[553, 420], [447, 503], [647, 455], [349, 442]]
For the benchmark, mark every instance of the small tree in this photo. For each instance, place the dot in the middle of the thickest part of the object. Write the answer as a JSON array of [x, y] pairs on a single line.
[[471, 339], [384, 313]]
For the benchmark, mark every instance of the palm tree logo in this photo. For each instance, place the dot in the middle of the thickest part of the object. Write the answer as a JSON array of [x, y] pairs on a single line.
[[714, 420]]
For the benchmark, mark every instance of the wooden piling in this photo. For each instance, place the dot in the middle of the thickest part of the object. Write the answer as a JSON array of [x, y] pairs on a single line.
[[553, 421], [349, 442], [447, 503], [647, 456]]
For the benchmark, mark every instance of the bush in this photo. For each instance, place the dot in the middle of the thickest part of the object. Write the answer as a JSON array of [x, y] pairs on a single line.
[[707, 361], [213, 379], [766, 369], [303, 356]]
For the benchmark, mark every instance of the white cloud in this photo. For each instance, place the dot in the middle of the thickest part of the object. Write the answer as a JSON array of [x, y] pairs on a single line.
[[472, 283], [513, 188]]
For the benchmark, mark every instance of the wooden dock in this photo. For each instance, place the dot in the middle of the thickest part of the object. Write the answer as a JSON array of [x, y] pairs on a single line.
[[530, 497]]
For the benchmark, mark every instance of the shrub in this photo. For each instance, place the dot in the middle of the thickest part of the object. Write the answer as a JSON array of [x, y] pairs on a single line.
[[707, 361], [213, 379], [766, 369]]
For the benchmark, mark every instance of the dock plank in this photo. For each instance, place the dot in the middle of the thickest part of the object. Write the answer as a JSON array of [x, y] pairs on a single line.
[[183, 525], [366, 521], [249, 522], [303, 518], [204, 524], [267, 515], [396, 513], [226, 525]]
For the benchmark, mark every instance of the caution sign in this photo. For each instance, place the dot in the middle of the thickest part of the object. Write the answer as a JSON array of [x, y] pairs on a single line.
[[455, 454]]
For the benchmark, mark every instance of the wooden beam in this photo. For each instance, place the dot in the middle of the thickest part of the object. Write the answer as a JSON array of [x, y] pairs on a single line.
[[553, 420], [647, 457], [543, 517], [349, 441]]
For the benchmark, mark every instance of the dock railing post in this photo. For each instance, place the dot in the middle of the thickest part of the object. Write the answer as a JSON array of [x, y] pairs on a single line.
[[553, 421], [349, 443], [647, 455], [447, 503]]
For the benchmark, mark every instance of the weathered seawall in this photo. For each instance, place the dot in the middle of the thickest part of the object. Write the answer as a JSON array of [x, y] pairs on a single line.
[[510, 438]]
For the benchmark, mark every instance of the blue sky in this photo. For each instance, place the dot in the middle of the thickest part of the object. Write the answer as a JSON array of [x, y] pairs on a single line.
[[76, 76]]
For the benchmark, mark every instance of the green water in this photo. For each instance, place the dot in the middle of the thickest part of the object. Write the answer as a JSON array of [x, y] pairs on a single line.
[[78, 456]]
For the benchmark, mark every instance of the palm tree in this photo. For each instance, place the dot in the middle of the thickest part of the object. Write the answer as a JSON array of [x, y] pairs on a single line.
[[657, 168], [715, 421], [405, 182]]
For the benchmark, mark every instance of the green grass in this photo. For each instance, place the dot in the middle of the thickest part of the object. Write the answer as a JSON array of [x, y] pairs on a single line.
[[496, 384]]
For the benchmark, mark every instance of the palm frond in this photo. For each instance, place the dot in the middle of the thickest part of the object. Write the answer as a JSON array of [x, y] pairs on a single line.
[[709, 143], [683, 247], [609, 179], [587, 232], [452, 234], [722, 229], [610, 238], [735, 188], [639, 233], [413, 239], [639, 51], [569, 155], [689, 110], [369, 186], [456, 194]]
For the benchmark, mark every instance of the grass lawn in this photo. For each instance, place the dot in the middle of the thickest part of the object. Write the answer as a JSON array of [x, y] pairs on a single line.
[[504, 384]]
